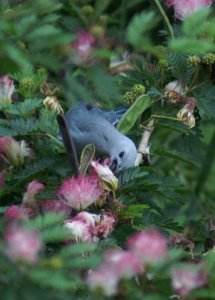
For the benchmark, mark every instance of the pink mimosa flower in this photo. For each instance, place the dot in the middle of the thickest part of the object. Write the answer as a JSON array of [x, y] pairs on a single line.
[[149, 246], [84, 43], [14, 151], [80, 192], [33, 188], [83, 47], [104, 279], [187, 278], [82, 226], [22, 244], [6, 90], [105, 225], [184, 8], [124, 263], [15, 212], [89, 227], [55, 206]]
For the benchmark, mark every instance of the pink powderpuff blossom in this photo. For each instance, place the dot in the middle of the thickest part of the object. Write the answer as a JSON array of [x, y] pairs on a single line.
[[80, 192], [81, 227], [124, 263], [22, 244], [83, 47], [55, 206], [6, 89], [184, 8], [149, 246], [14, 151], [15, 212], [105, 226], [33, 188], [104, 279], [187, 278], [87, 227]]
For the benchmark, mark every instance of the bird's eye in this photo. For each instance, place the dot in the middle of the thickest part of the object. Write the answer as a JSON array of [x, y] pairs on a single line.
[[121, 154]]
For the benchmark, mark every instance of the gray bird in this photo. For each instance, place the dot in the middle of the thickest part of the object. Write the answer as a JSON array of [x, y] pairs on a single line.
[[89, 124]]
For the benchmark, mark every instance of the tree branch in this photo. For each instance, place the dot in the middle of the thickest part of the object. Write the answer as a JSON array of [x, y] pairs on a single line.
[[142, 149]]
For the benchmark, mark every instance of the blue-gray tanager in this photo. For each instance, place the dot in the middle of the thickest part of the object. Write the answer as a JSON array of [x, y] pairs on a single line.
[[89, 124]]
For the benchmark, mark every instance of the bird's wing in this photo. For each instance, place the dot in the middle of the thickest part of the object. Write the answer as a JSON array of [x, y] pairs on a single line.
[[113, 116], [89, 126]]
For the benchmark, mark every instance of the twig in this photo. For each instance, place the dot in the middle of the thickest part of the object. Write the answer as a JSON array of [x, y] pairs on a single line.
[[142, 149], [165, 18]]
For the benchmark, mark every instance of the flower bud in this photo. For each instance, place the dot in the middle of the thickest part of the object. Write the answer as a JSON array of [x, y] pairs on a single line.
[[14, 151], [27, 83], [175, 86], [51, 103], [193, 60], [33, 188], [107, 179], [187, 116], [83, 48], [209, 59], [88, 10], [6, 90], [138, 89], [163, 64], [129, 97]]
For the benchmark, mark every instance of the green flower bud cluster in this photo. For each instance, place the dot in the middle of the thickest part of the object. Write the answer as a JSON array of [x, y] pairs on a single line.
[[88, 10], [97, 31], [131, 96], [103, 19], [209, 59], [193, 60], [138, 89], [27, 83], [163, 64]]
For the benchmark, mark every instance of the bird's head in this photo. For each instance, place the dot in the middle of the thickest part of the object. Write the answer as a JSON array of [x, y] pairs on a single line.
[[123, 155]]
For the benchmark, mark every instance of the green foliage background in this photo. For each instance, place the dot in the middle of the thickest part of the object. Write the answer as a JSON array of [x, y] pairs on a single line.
[[174, 194]]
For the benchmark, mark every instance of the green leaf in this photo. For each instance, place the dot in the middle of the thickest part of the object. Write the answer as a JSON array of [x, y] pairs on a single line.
[[139, 28], [18, 126], [191, 45], [197, 23], [132, 114], [53, 279], [87, 155], [180, 156], [135, 210], [55, 234], [46, 221], [205, 95], [77, 249], [26, 108], [101, 6]]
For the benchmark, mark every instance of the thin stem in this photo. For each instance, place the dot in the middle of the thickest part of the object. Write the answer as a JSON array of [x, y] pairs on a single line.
[[166, 117], [165, 18], [144, 142]]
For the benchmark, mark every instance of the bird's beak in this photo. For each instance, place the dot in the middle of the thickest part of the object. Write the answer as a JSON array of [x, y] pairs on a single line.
[[113, 165]]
